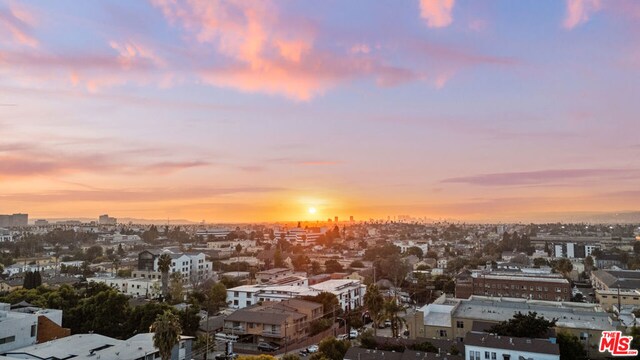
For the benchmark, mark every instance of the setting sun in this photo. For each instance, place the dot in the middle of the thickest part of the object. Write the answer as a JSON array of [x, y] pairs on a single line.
[[312, 210]]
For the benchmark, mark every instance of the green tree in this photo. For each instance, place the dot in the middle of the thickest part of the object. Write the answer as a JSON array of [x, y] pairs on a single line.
[[333, 349], [374, 303], [166, 335], [164, 264], [392, 311], [537, 262], [414, 250], [332, 266], [216, 297], [278, 261], [300, 262], [530, 325], [176, 288], [588, 263], [570, 347], [563, 266], [357, 264]]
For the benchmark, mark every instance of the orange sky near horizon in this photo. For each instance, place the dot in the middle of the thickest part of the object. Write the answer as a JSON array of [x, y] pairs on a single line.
[[257, 110]]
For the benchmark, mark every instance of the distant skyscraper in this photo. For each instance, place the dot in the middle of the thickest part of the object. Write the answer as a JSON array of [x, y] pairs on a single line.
[[107, 220], [351, 218], [14, 220], [336, 219]]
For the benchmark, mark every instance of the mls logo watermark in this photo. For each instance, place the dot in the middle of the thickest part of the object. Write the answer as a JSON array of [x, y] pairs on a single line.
[[616, 344]]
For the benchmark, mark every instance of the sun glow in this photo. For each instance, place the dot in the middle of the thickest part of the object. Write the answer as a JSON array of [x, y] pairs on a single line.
[[312, 210]]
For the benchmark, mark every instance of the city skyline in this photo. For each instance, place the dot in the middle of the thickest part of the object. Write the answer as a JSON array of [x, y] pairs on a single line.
[[241, 111]]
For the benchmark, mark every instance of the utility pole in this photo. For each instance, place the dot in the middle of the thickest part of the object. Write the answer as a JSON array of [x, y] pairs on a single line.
[[286, 342]]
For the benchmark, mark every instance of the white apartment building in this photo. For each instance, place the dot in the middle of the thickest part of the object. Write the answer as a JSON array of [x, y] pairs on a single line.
[[192, 266], [350, 293], [136, 287], [5, 235], [19, 328], [442, 263], [404, 245]]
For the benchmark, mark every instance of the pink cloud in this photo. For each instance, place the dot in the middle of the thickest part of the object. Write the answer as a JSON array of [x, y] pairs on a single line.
[[579, 11], [18, 22], [437, 13]]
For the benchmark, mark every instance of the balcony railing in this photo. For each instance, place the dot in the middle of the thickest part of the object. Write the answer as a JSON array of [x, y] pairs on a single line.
[[237, 330], [274, 334]]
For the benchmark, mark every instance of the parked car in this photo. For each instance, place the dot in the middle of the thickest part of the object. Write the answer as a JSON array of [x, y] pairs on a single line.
[[266, 346], [342, 337], [312, 349], [387, 323], [353, 334]]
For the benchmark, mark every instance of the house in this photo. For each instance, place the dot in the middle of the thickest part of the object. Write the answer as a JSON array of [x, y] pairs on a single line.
[[265, 276], [277, 322], [10, 285]]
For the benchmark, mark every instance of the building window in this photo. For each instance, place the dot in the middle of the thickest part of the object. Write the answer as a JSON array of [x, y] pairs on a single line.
[[33, 330], [493, 356], [248, 303], [443, 333], [7, 340], [235, 302], [235, 294], [486, 355], [460, 324]]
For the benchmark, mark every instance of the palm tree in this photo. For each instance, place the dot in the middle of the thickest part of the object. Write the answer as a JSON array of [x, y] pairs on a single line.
[[164, 264], [166, 335], [392, 311], [374, 303]]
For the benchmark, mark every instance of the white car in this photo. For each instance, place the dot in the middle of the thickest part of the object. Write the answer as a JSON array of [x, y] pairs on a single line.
[[353, 334], [312, 349], [343, 337]]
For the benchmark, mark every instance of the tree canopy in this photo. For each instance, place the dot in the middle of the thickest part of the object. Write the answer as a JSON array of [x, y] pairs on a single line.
[[530, 325]]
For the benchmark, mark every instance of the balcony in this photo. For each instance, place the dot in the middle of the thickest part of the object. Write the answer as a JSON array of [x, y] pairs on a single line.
[[237, 330], [272, 334]]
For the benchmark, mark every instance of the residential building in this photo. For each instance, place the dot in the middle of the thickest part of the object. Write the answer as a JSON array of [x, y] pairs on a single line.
[[265, 276], [350, 293], [586, 321], [404, 245], [5, 235], [95, 346], [135, 287], [19, 326], [614, 279], [481, 346], [618, 297], [192, 266], [279, 322], [514, 284]]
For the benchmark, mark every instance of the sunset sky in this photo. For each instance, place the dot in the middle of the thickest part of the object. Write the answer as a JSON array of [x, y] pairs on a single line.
[[259, 110]]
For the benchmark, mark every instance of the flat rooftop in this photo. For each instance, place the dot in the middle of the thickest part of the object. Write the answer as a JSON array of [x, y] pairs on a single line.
[[569, 315]]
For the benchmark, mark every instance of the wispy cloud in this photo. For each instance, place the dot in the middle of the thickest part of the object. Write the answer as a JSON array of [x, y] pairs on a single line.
[[542, 177], [437, 13], [17, 21], [128, 195], [579, 12]]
